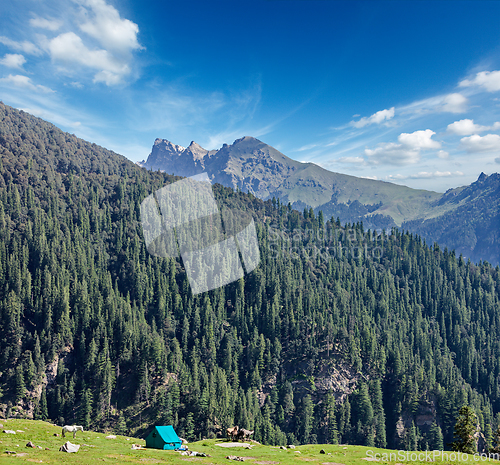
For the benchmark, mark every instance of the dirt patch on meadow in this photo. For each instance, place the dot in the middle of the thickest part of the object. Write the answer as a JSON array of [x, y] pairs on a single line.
[[266, 462], [233, 444], [195, 459]]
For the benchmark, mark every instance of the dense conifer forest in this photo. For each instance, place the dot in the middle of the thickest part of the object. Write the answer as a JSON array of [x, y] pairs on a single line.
[[339, 335]]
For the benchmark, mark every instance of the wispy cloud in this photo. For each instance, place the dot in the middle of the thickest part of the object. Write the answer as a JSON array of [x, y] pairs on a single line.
[[24, 46], [424, 175], [351, 160], [25, 82], [377, 118], [46, 23]]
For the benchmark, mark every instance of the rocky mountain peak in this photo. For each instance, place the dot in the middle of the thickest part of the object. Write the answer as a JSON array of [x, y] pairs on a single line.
[[167, 145], [196, 151]]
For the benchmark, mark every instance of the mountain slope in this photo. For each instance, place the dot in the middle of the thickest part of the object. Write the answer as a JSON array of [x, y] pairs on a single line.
[[471, 226], [337, 335], [253, 166]]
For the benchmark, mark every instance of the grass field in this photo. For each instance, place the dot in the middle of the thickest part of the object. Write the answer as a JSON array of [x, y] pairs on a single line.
[[95, 449]]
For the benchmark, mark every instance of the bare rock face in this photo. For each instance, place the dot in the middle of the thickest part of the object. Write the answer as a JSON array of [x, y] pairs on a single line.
[[163, 155]]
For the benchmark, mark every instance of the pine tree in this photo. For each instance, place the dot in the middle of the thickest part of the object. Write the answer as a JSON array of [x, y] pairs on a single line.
[[305, 418], [436, 437], [20, 389], [43, 410], [331, 420], [190, 426], [121, 424], [464, 430]]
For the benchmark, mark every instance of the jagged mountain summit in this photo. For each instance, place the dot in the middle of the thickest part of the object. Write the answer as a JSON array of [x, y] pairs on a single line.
[[253, 166]]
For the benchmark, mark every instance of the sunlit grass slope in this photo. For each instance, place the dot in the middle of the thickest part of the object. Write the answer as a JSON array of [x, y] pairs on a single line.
[[96, 448]]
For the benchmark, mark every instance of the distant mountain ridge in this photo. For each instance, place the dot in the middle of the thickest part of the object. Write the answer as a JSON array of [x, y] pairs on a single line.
[[253, 166], [466, 219], [471, 222]]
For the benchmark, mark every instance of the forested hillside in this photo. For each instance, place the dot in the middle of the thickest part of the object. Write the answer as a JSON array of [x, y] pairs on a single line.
[[337, 335]]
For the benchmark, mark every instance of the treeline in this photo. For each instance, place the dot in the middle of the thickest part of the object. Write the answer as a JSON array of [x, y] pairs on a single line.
[[95, 330]]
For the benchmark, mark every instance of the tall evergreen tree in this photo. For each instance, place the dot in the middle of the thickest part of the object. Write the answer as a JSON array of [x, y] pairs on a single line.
[[464, 430]]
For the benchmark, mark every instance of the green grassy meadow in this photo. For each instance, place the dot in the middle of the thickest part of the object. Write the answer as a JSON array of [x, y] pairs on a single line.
[[95, 448]]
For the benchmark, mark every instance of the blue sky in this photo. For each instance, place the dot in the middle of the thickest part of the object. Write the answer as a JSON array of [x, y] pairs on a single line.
[[407, 92]]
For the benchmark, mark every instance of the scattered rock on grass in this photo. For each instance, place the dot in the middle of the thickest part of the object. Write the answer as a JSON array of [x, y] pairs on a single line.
[[69, 447], [30, 444]]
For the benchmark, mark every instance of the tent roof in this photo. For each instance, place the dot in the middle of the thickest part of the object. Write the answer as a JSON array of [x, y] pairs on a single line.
[[168, 433]]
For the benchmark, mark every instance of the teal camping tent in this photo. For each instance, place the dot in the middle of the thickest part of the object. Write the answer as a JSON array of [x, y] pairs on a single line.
[[163, 437]]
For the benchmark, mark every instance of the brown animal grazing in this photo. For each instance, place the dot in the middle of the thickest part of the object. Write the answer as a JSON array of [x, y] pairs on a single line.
[[232, 432]]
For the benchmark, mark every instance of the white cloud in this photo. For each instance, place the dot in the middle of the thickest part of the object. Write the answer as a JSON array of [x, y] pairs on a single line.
[[424, 175], [376, 118], [73, 50], [435, 174], [13, 60], [393, 154], [45, 23], [443, 154], [103, 22], [476, 143], [351, 160], [306, 147], [25, 46], [419, 140], [488, 80], [395, 177], [25, 82], [466, 127], [454, 103], [497, 160], [68, 48], [406, 152]]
